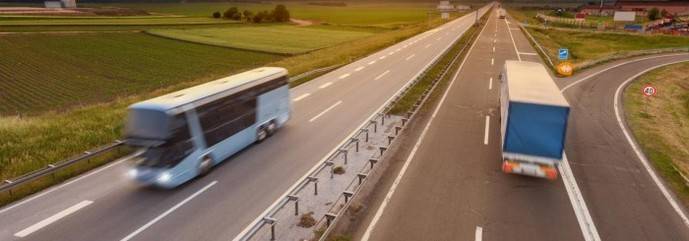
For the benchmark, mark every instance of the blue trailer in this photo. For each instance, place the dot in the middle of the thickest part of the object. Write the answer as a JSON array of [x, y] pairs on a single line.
[[533, 120]]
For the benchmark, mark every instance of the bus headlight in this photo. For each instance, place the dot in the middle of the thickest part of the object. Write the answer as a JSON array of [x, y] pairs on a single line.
[[164, 177], [132, 173]]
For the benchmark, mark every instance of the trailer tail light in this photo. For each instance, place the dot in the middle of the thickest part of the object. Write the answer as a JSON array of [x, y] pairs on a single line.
[[509, 166], [550, 172]]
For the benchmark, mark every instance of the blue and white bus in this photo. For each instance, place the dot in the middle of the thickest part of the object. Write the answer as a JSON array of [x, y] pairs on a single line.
[[184, 134]]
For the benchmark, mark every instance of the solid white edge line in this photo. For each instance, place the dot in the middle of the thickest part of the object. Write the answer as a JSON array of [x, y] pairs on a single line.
[[478, 235], [675, 205], [398, 179], [581, 211], [95, 171], [344, 76], [513, 43], [301, 97], [294, 185], [323, 86], [615, 66], [486, 131], [381, 75], [490, 83], [161, 216], [52, 219], [326, 110]]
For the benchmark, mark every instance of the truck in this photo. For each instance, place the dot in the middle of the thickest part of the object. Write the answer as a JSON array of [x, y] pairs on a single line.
[[501, 13], [533, 119]]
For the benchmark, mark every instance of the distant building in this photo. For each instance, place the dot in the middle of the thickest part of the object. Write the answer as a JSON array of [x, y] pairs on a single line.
[[444, 6], [641, 7], [69, 3], [597, 10], [673, 7], [52, 4], [61, 4]]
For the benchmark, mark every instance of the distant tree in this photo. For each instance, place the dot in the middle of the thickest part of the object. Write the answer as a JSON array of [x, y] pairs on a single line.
[[231, 13], [248, 15], [216, 14], [653, 14], [258, 17], [664, 13], [280, 13]]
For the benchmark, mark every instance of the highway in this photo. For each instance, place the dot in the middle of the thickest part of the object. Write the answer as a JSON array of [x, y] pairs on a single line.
[[450, 186], [453, 188], [105, 205]]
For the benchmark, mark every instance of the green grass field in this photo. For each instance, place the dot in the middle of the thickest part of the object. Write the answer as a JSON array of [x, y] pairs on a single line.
[[108, 21], [54, 71], [593, 46], [660, 124], [275, 39], [390, 14]]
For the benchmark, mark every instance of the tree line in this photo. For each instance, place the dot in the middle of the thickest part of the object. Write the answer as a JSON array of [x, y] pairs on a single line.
[[279, 14]]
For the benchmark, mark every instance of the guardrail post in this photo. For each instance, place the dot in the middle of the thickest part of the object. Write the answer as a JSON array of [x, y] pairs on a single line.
[[382, 119], [409, 114], [373, 161], [365, 131], [390, 138], [271, 222], [397, 130], [315, 185], [345, 155], [296, 203], [404, 121], [361, 177], [332, 168], [375, 126], [329, 218], [347, 195], [356, 141], [382, 149]]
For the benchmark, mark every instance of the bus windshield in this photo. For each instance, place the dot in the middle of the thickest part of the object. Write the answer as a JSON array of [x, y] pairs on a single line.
[[165, 139]]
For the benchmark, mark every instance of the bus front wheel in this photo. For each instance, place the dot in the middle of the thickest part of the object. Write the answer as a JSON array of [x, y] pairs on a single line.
[[205, 166]]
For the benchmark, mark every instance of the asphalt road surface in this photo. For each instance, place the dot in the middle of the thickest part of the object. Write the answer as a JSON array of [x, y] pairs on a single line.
[[105, 205], [451, 187]]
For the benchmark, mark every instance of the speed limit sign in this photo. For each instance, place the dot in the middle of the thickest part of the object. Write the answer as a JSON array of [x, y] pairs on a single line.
[[649, 90]]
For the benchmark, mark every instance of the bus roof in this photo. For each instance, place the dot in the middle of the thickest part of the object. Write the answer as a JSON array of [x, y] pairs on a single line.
[[231, 83], [530, 82]]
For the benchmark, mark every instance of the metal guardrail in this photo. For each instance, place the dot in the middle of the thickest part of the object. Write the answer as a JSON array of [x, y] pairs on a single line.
[[9, 185], [331, 218]]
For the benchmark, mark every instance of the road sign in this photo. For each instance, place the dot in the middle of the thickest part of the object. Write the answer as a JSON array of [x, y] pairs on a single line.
[[649, 90], [565, 68], [563, 53]]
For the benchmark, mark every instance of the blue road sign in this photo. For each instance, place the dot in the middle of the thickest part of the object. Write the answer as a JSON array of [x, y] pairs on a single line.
[[563, 53]]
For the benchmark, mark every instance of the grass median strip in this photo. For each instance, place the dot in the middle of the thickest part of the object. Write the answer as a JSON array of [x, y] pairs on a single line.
[[660, 124]]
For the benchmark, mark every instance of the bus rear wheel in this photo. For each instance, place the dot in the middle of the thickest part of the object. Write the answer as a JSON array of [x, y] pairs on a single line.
[[271, 128], [205, 166], [261, 134]]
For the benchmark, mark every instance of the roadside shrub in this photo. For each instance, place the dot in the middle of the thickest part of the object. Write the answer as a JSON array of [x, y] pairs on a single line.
[[280, 14], [653, 14], [339, 170], [248, 15], [306, 220], [216, 15], [232, 13]]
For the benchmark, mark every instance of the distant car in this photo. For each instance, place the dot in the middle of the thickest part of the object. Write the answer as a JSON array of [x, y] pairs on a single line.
[[501, 13]]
